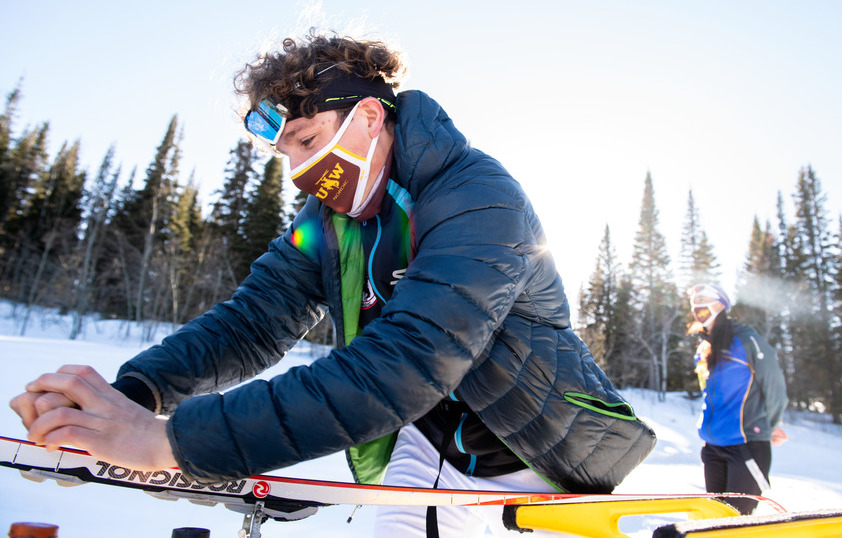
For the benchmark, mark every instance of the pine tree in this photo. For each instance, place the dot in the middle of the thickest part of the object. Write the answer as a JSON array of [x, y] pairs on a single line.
[[760, 285], [698, 261], [607, 317], [182, 256], [142, 222], [655, 295], [813, 255], [596, 306], [264, 217], [650, 260], [51, 225], [230, 209], [7, 119], [113, 295], [25, 163], [8, 186], [99, 204], [834, 372], [229, 212], [814, 236], [623, 353], [785, 243]]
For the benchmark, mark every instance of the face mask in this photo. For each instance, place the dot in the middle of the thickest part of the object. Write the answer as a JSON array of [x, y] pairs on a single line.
[[335, 175]]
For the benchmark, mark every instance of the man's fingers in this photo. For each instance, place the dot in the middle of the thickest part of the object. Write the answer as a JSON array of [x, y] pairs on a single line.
[[71, 385], [53, 423], [24, 406], [74, 388], [51, 400], [68, 435], [87, 373]]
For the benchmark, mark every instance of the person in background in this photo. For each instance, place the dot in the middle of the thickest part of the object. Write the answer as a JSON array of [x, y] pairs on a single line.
[[457, 366], [744, 397]]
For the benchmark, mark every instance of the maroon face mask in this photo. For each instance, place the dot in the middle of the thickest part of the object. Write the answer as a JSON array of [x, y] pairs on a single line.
[[336, 175]]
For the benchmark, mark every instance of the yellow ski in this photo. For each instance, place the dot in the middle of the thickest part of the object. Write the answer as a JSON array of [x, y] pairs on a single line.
[[601, 519], [818, 524]]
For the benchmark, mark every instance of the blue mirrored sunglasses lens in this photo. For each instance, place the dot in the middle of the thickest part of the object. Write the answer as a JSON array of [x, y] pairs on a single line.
[[265, 122]]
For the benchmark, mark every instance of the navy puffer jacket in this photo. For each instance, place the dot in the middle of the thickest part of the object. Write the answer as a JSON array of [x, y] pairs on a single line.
[[481, 309]]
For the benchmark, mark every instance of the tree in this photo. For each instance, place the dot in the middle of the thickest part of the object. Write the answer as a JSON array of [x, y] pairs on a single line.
[[784, 247], [8, 186], [229, 212], [760, 287], [146, 213], [813, 236], [596, 305], [834, 374], [25, 163], [99, 203], [623, 353], [654, 294], [698, 262], [7, 118], [813, 255], [113, 294], [182, 257], [230, 209], [51, 226], [264, 217]]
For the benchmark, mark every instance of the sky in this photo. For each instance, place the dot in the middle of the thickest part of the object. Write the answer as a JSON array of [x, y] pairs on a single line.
[[578, 100]]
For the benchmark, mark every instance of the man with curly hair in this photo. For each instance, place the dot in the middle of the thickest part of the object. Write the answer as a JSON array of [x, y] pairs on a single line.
[[457, 367]]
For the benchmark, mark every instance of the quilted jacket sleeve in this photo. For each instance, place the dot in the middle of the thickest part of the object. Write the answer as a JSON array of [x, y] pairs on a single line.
[[268, 314]]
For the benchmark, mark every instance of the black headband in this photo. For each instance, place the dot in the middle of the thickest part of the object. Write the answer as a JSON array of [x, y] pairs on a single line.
[[345, 90]]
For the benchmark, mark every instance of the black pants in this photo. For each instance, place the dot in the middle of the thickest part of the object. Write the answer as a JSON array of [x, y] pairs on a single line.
[[726, 471]]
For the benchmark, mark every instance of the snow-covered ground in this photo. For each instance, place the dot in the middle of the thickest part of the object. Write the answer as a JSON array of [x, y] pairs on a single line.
[[806, 473]]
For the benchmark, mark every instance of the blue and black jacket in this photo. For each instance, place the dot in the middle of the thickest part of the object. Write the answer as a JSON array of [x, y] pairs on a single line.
[[745, 394]]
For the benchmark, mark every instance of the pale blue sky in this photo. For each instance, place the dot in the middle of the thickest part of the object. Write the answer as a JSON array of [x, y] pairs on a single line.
[[577, 99]]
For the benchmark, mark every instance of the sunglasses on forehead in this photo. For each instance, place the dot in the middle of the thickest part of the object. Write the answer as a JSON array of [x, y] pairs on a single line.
[[266, 121]]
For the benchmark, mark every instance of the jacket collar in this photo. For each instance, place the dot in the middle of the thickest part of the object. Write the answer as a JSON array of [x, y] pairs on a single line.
[[426, 142]]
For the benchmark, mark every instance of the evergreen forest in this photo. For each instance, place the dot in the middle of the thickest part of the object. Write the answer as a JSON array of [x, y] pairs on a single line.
[[135, 245], [789, 289]]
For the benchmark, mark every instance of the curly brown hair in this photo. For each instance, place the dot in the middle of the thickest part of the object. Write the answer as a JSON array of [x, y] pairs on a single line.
[[294, 75]]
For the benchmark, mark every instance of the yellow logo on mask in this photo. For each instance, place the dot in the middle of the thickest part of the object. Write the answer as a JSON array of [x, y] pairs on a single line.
[[329, 181]]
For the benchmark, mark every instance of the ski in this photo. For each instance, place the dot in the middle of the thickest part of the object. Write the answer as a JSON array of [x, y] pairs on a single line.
[[816, 524], [286, 499]]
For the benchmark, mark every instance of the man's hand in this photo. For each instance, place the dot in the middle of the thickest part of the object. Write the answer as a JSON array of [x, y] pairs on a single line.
[[31, 405], [779, 437], [76, 406]]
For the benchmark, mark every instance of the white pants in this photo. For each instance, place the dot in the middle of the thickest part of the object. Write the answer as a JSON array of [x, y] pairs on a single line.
[[415, 463]]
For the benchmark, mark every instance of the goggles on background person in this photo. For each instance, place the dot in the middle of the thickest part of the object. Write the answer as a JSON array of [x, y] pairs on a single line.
[[266, 121], [707, 302]]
